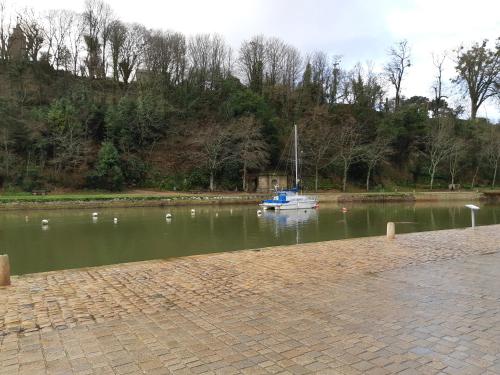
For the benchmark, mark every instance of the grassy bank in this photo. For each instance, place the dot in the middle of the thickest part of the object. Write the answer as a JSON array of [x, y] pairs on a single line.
[[418, 196], [80, 197], [144, 199], [153, 198]]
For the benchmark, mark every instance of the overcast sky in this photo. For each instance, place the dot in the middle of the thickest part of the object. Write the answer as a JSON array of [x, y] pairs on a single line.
[[358, 30]]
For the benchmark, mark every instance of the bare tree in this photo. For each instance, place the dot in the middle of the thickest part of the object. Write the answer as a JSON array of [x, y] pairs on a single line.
[[491, 152], [457, 155], [75, 38], [275, 53], [59, 24], [5, 24], [478, 71], [117, 36], [399, 61], [438, 145], [251, 62], [292, 63], [198, 52], [97, 19], [220, 60], [208, 60], [32, 28], [165, 55], [107, 18], [92, 24], [438, 61], [49, 31], [214, 149], [132, 51], [348, 147], [252, 148], [292, 67], [317, 140], [320, 75], [374, 153]]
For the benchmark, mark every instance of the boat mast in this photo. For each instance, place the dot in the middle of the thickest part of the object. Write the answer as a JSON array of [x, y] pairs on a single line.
[[296, 159]]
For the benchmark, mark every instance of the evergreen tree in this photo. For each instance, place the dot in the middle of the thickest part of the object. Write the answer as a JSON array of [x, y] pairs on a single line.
[[107, 173]]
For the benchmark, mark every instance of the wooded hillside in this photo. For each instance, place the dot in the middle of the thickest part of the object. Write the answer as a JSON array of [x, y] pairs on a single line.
[[87, 101]]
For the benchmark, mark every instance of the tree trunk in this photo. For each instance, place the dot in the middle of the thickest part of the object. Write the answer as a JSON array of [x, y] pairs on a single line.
[[344, 180], [211, 181], [398, 97], [473, 111], [6, 160], [433, 171], [316, 178], [494, 175], [474, 177], [244, 177], [368, 179]]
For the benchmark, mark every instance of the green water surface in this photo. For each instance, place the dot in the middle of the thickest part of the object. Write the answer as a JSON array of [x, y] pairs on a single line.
[[73, 239]]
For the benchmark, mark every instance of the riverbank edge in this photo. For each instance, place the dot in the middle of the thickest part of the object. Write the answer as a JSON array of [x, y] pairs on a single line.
[[48, 202], [146, 201]]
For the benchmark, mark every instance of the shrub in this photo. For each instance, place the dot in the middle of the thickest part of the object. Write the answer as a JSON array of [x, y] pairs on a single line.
[[107, 173]]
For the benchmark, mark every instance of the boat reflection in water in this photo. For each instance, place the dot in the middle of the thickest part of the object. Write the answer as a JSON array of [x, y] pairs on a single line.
[[290, 220]]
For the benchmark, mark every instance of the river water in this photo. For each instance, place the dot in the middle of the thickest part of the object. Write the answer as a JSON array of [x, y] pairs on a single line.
[[74, 239]]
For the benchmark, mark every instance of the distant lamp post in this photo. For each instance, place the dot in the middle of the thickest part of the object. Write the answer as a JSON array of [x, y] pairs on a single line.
[[473, 210]]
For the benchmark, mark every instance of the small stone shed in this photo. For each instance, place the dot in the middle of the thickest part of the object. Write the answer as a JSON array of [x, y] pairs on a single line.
[[267, 182]]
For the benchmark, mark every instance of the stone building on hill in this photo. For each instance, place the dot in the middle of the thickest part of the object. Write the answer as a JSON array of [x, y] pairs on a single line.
[[16, 47]]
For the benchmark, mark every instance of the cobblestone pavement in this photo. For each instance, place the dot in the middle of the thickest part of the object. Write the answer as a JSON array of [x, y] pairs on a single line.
[[424, 303]]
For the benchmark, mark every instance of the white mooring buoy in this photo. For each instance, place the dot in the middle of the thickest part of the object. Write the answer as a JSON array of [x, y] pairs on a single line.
[[115, 220], [168, 216], [259, 212], [45, 222], [193, 211], [95, 214]]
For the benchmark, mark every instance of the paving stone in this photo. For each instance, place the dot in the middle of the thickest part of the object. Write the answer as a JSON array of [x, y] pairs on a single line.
[[423, 303]]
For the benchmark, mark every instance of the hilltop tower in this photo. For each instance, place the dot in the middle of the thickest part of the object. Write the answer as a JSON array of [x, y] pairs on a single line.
[[16, 48]]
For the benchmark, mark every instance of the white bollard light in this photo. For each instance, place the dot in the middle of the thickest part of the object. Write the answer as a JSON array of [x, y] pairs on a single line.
[[391, 230], [473, 210]]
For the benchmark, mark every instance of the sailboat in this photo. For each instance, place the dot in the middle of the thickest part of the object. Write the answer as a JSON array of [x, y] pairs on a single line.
[[291, 199]]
